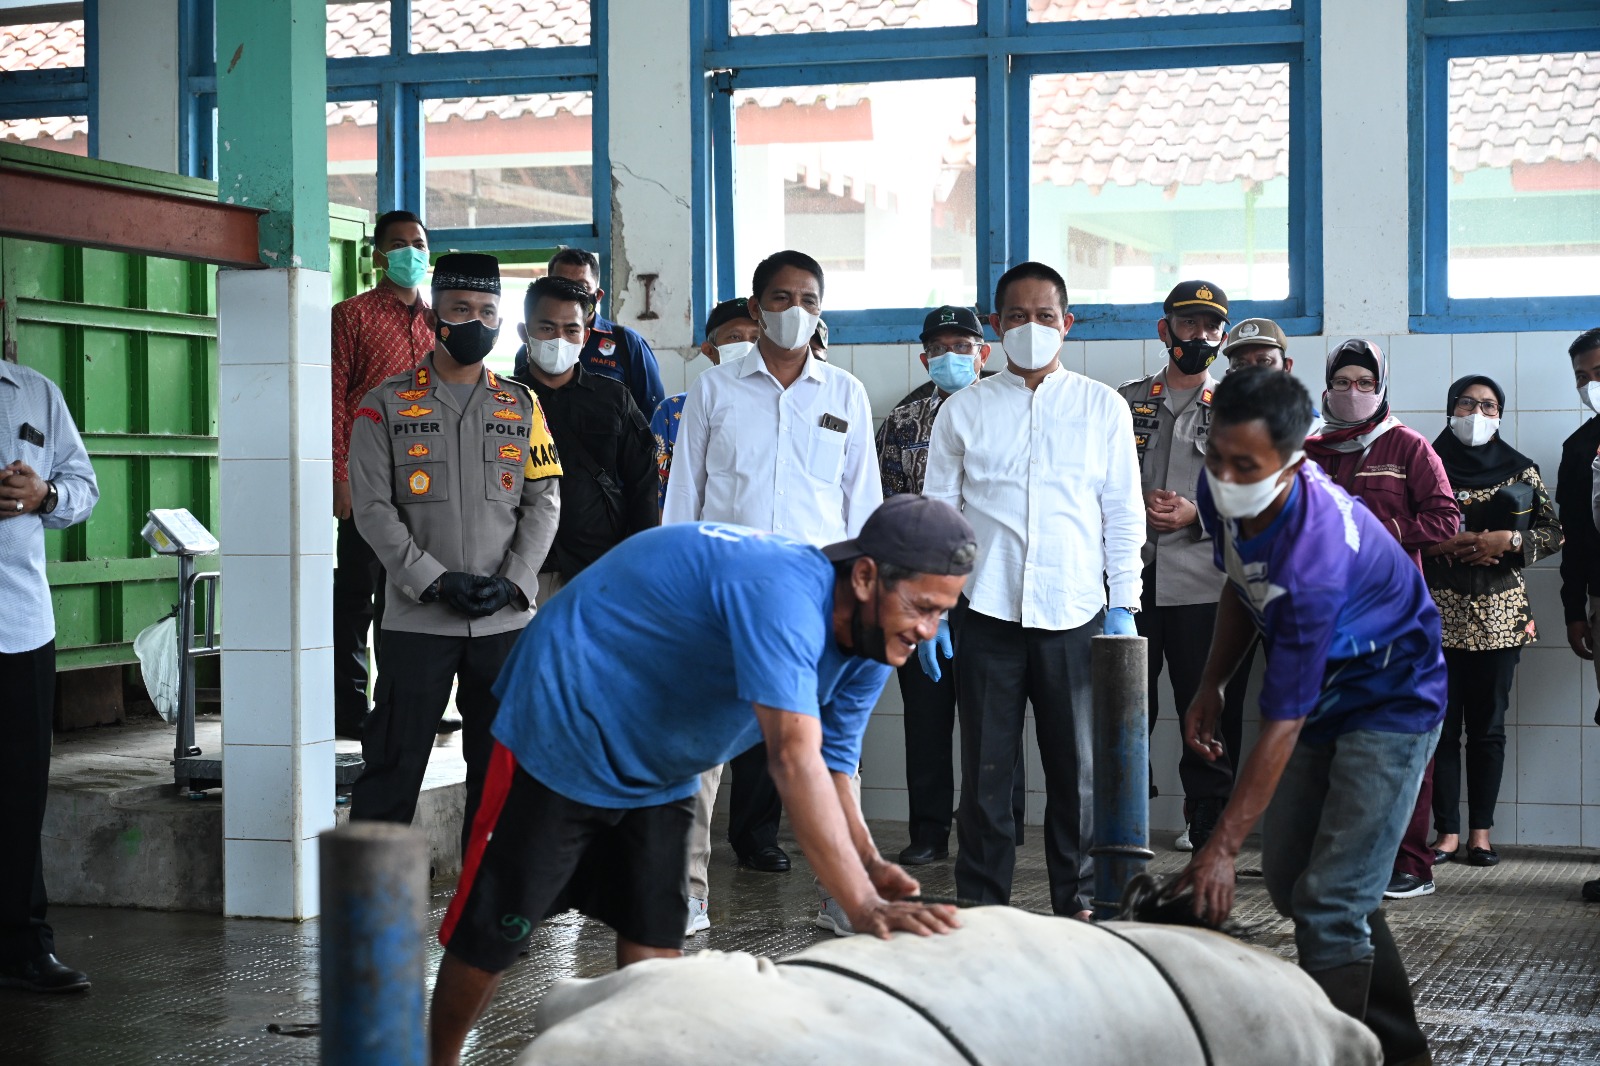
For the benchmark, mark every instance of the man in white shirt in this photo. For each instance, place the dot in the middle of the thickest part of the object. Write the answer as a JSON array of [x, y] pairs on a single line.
[[1042, 463], [782, 441]]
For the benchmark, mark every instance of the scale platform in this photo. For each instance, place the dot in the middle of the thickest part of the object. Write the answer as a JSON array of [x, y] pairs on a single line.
[[205, 771]]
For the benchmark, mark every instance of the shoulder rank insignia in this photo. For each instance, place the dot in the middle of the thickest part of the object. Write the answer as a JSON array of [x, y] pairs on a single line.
[[1205, 396], [420, 378], [417, 451], [1156, 389], [509, 416], [511, 453], [417, 412], [1144, 408], [505, 397], [508, 480], [494, 382], [367, 412], [411, 394], [418, 482]]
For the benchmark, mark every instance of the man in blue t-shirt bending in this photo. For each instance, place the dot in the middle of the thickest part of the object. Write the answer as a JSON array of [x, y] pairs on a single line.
[[682, 647], [1351, 704]]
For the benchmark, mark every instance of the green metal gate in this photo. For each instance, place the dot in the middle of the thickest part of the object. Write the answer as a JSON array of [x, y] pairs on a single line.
[[131, 341]]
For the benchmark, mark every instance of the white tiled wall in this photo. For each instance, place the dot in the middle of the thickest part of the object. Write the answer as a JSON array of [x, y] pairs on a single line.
[[1551, 789]]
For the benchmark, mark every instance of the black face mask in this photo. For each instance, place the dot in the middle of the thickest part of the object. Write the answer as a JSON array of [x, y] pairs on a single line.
[[869, 642], [467, 342], [1193, 356]]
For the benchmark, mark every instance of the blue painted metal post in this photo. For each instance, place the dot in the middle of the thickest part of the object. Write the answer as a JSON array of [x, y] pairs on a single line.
[[374, 946], [1121, 767]]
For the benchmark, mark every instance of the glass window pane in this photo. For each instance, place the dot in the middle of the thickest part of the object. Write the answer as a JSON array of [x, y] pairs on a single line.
[[758, 17], [58, 133], [509, 160], [1088, 10], [872, 180], [1524, 189], [358, 28], [42, 45], [353, 155], [482, 25], [1142, 178]]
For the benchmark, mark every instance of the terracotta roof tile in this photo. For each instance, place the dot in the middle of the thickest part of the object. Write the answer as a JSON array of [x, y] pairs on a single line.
[[759, 17], [1524, 109]]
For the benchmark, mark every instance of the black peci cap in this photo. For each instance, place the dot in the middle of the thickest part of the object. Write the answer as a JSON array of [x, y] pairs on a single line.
[[949, 316], [725, 312], [473, 271], [916, 533], [1196, 296]]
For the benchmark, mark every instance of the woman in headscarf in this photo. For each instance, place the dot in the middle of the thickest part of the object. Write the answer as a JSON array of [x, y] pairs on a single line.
[[1476, 581], [1392, 469]]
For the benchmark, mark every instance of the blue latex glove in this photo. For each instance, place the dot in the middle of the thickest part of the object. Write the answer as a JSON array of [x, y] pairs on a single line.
[[928, 651], [1119, 623]]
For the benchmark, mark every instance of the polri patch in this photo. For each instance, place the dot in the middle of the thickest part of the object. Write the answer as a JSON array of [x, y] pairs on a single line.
[[367, 412], [508, 416], [508, 481], [511, 453], [417, 451], [414, 411], [505, 397], [419, 482], [411, 395]]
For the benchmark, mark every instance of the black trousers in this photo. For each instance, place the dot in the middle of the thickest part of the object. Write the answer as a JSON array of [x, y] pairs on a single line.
[[999, 668], [27, 697], [754, 807], [412, 694], [1480, 691], [358, 590], [930, 722], [1180, 637]]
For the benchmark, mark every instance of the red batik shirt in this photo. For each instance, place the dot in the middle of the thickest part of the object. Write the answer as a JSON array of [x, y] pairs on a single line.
[[375, 336]]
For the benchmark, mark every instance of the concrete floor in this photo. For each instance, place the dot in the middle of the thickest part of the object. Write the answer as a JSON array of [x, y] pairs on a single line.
[[1506, 963]]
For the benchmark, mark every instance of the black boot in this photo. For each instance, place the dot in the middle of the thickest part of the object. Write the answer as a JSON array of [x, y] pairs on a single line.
[[1346, 986], [1391, 1013]]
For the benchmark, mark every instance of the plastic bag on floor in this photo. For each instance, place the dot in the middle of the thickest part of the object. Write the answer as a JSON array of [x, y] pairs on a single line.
[[157, 649]]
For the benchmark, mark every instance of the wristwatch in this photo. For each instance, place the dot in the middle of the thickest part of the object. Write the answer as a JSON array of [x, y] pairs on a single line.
[[1516, 540], [51, 498]]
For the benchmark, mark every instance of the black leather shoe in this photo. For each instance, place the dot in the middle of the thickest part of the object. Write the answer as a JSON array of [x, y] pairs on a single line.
[[450, 723], [1591, 891], [923, 854], [1440, 856], [43, 974], [771, 860], [1482, 857]]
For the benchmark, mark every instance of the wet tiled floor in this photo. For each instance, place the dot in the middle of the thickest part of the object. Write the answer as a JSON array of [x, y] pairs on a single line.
[[1506, 963]]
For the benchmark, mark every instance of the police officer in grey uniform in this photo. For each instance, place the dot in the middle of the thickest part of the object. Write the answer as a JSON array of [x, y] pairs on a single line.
[[454, 480], [1171, 420]]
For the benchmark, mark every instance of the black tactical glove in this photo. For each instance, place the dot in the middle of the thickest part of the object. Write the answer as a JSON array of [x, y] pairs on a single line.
[[493, 594], [456, 590]]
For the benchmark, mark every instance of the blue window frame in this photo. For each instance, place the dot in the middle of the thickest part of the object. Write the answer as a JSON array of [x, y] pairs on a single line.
[[1448, 35], [58, 91], [1002, 54], [400, 84]]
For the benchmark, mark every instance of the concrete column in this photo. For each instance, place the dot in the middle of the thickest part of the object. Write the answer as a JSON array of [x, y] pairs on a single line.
[[137, 122], [277, 477], [652, 168], [1365, 182]]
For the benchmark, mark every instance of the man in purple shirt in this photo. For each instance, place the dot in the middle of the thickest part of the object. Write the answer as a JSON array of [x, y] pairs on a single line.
[[1351, 705]]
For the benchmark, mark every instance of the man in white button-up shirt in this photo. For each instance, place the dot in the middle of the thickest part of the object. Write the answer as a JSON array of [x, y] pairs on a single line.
[[1042, 463], [775, 440]]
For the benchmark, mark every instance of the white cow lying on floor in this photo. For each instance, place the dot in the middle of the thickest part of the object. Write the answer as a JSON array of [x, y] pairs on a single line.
[[1008, 989]]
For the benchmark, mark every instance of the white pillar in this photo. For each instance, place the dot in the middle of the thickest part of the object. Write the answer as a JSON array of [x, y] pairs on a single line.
[[137, 121], [277, 587], [1365, 168], [652, 168]]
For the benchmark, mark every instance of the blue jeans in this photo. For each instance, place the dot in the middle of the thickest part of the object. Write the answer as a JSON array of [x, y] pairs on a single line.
[[1330, 834]]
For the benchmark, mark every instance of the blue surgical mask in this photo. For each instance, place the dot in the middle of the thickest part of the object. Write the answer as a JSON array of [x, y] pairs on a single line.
[[953, 371], [406, 266]]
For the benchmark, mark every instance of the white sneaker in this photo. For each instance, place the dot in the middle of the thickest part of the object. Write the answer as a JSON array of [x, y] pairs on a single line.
[[1183, 843], [832, 918], [699, 920]]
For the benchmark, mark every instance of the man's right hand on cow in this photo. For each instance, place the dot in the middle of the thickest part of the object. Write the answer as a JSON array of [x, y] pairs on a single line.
[[880, 917]]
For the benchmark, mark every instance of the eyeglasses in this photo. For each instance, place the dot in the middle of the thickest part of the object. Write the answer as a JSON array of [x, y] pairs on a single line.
[[1359, 384], [959, 348], [1465, 405]]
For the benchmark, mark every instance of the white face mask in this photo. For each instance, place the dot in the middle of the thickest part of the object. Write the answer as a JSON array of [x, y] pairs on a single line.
[[790, 328], [555, 356], [1031, 346], [1474, 429], [1248, 500], [727, 353], [1589, 395]]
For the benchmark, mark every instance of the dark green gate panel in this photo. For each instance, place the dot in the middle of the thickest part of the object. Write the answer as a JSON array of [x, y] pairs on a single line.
[[131, 341]]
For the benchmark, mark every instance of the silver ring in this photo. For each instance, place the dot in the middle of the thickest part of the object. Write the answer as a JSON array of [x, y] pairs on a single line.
[[19, 505]]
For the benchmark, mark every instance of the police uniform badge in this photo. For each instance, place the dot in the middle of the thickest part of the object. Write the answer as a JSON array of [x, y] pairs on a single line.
[[1145, 409], [504, 415], [411, 395], [414, 411], [1247, 329], [419, 482], [607, 347], [421, 378], [417, 451], [1205, 396], [511, 453], [494, 382], [1156, 389], [508, 481], [505, 397]]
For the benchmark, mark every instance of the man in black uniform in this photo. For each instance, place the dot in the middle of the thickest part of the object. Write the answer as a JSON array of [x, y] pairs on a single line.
[[608, 487]]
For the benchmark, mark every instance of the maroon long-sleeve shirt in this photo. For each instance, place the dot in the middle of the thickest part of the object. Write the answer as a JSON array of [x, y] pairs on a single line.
[[1403, 483]]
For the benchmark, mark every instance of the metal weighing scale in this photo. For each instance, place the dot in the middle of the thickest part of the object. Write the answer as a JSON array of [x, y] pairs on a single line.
[[176, 532]]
